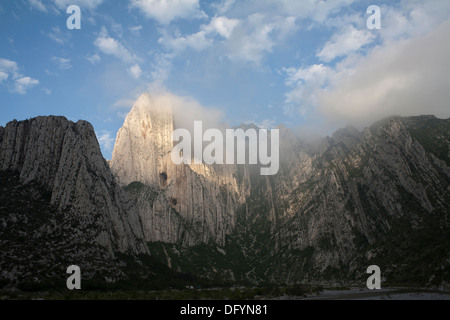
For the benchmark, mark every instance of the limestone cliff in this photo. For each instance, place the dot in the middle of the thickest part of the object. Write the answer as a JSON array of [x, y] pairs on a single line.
[[380, 196], [61, 199], [377, 196], [191, 203]]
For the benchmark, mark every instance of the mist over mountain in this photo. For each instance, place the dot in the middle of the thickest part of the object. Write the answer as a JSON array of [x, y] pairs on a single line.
[[377, 196]]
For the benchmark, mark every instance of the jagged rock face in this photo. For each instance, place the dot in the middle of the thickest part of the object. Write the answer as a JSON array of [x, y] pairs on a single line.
[[193, 203], [65, 159], [143, 143], [325, 215], [380, 196], [357, 198]]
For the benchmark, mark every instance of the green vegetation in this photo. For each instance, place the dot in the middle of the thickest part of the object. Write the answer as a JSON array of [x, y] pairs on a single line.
[[231, 293], [433, 134], [412, 256], [326, 242], [410, 244], [137, 188]]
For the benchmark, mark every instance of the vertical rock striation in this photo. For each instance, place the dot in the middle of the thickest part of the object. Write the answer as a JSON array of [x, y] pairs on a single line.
[[65, 158], [192, 203], [378, 196]]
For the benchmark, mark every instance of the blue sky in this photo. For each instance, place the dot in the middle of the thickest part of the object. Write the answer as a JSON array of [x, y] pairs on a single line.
[[312, 65]]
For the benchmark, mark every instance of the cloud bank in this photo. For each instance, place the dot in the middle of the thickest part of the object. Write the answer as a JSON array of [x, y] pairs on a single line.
[[409, 78], [166, 11], [403, 72], [11, 77]]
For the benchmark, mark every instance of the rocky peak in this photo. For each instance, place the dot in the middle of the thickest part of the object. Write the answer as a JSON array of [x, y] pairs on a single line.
[[192, 203], [349, 136], [143, 142], [65, 158], [148, 116], [363, 198]]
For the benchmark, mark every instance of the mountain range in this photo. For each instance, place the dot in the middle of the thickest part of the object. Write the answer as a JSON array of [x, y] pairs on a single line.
[[380, 196]]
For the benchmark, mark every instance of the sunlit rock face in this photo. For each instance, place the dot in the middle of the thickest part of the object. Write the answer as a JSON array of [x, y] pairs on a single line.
[[332, 207], [189, 203]]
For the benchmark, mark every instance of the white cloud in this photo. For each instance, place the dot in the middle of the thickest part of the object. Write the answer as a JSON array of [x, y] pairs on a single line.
[[111, 46], [265, 24], [187, 110], [247, 39], [58, 36], [166, 11], [135, 28], [105, 140], [94, 59], [25, 83], [315, 73], [345, 42], [8, 66], [196, 41], [408, 77], [306, 82], [406, 73], [47, 91], [257, 35], [204, 38], [63, 63], [413, 18], [223, 6], [316, 10], [83, 4], [221, 25], [38, 5], [13, 79], [3, 76], [135, 71]]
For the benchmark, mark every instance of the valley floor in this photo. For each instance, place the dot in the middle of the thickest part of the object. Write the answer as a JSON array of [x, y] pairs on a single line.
[[383, 294], [235, 294]]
